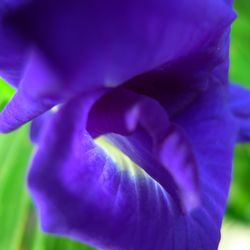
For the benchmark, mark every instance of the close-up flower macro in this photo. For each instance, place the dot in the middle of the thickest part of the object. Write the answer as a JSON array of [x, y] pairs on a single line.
[[122, 124]]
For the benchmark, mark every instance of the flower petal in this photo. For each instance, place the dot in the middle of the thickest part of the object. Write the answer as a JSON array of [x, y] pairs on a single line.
[[31, 100], [79, 48], [13, 51], [202, 111], [118, 40], [38, 125], [82, 192], [129, 114], [211, 130], [11, 117], [240, 106]]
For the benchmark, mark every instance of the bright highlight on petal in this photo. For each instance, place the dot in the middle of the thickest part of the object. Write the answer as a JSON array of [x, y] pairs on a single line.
[[122, 161]]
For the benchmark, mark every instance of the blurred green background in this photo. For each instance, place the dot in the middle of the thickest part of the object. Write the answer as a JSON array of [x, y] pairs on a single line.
[[18, 223], [236, 228]]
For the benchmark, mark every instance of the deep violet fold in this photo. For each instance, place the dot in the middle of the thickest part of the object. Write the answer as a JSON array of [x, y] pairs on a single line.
[[132, 113]]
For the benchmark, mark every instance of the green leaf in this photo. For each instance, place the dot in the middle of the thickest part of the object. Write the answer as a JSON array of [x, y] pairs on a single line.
[[14, 157], [239, 202], [240, 44], [6, 92]]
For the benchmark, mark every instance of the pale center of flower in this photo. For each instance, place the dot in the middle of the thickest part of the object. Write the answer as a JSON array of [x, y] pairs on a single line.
[[122, 161]]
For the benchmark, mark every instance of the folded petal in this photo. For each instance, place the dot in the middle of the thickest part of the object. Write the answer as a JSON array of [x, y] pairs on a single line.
[[21, 109], [89, 194], [149, 137], [211, 130], [91, 43], [81, 192], [177, 84], [38, 125], [240, 107], [79, 47], [31, 100], [201, 109]]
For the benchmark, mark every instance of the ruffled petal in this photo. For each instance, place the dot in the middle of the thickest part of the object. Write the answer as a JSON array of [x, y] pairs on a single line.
[[240, 106]]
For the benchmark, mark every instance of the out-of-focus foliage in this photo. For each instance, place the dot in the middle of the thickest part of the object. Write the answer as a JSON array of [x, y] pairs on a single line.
[[6, 91], [239, 202], [240, 44], [14, 156]]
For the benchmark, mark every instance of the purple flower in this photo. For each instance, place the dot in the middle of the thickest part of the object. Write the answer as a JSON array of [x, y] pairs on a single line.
[[137, 151]]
